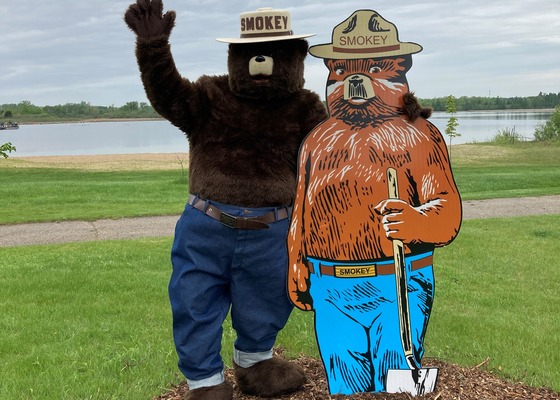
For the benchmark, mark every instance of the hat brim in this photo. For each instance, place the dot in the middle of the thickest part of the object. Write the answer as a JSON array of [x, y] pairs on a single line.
[[328, 51], [264, 38]]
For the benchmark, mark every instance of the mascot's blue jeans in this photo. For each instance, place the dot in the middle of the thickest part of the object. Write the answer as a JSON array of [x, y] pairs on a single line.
[[357, 324], [215, 267]]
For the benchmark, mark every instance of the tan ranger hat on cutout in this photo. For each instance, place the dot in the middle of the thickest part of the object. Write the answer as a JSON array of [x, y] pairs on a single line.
[[265, 25], [365, 34]]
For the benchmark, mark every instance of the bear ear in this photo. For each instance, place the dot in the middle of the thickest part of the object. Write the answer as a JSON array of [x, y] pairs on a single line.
[[299, 47], [413, 109], [304, 45], [407, 63]]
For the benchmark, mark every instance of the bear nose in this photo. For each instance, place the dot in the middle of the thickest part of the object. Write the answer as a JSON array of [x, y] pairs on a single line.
[[260, 59], [356, 80]]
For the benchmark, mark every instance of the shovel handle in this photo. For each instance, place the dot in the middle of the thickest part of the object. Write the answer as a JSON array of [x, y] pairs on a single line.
[[402, 286]]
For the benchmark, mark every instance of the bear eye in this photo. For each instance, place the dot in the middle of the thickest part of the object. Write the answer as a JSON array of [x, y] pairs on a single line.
[[339, 71], [374, 70]]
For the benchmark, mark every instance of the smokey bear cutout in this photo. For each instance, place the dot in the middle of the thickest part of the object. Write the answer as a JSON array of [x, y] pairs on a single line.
[[375, 197]]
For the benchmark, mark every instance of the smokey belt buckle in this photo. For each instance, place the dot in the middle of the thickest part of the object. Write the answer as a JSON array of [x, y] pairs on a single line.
[[368, 270], [355, 271], [240, 222]]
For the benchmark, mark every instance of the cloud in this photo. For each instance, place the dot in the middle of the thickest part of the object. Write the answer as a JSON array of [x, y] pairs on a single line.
[[71, 51]]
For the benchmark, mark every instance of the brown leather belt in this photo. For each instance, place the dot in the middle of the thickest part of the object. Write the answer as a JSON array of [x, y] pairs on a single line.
[[260, 222], [350, 270]]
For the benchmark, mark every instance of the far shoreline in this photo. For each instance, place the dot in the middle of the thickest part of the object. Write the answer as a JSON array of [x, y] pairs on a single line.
[[87, 121], [143, 119]]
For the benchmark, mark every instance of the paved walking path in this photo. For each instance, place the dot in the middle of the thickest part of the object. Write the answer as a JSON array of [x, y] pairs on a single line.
[[126, 228]]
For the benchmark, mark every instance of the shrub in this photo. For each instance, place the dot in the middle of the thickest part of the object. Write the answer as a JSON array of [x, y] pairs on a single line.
[[549, 130], [507, 136], [5, 149]]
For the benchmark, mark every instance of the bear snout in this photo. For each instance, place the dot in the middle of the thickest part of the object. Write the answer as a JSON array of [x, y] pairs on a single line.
[[261, 65], [356, 80], [358, 88]]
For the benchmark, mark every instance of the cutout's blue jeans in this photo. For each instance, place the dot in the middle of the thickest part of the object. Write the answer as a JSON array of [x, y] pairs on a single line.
[[357, 325]]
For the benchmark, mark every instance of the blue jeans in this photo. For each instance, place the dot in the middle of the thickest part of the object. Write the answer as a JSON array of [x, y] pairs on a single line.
[[357, 324], [216, 267]]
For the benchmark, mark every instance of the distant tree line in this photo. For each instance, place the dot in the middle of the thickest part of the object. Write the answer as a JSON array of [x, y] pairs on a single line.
[[464, 103], [25, 111]]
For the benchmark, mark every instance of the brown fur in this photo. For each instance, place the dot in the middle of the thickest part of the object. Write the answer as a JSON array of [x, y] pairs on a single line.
[[243, 147], [270, 378], [223, 391], [413, 109]]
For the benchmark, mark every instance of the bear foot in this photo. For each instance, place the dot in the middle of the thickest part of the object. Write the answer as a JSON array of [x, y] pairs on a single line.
[[269, 378], [223, 391]]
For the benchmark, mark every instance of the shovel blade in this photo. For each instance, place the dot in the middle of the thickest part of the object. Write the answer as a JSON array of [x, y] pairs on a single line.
[[413, 382]]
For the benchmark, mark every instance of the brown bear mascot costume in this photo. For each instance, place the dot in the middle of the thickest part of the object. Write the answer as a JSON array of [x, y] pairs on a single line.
[[244, 131]]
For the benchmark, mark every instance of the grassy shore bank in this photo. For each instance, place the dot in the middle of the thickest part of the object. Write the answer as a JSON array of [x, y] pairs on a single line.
[[37, 189]]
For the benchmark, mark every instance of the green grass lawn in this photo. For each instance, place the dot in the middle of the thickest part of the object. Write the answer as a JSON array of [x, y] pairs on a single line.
[[47, 194], [486, 170], [92, 320], [86, 321], [497, 291], [482, 171]]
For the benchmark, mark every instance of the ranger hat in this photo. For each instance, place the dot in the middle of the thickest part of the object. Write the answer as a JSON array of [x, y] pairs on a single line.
[[265, 25], [365, 34]]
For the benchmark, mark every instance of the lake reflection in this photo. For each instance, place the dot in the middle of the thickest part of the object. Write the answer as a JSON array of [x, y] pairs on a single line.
[[162, 137], [96, 138], [481, 126]]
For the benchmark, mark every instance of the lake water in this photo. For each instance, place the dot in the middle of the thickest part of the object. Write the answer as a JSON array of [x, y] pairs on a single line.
[[162, 137]]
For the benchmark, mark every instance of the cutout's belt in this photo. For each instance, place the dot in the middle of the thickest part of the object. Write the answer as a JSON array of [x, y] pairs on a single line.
[[363, 270], [260, 222]]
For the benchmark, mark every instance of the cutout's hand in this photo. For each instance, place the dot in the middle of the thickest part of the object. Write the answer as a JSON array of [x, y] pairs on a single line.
[[298, 287], [401, 221]]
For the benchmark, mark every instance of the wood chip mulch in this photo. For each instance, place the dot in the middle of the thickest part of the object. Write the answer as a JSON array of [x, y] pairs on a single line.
[[454, 383]]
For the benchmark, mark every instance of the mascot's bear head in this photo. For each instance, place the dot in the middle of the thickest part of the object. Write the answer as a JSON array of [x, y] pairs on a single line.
[[266, 61]]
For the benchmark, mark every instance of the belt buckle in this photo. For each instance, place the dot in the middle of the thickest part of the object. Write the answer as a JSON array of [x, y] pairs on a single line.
[[228, 220], [361, 271]]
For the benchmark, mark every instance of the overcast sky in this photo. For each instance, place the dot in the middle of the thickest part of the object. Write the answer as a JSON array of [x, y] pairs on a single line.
[[68, 51]]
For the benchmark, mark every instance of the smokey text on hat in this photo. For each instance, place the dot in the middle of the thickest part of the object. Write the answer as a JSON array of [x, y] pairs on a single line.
[[375, 36], [264, 23]]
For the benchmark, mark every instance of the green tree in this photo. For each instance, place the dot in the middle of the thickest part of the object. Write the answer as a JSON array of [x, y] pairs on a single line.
[[550, 130], [25, 107], [452, 123], [131, 106], [5, 149]]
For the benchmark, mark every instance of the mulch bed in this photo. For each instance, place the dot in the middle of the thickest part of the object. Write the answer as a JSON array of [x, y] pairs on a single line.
[[454, 383]]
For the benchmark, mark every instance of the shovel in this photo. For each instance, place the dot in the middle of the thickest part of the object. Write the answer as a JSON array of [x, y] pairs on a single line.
[[415, 381]]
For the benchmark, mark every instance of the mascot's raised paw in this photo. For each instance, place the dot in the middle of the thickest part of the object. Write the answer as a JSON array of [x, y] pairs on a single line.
[[146, 19]]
